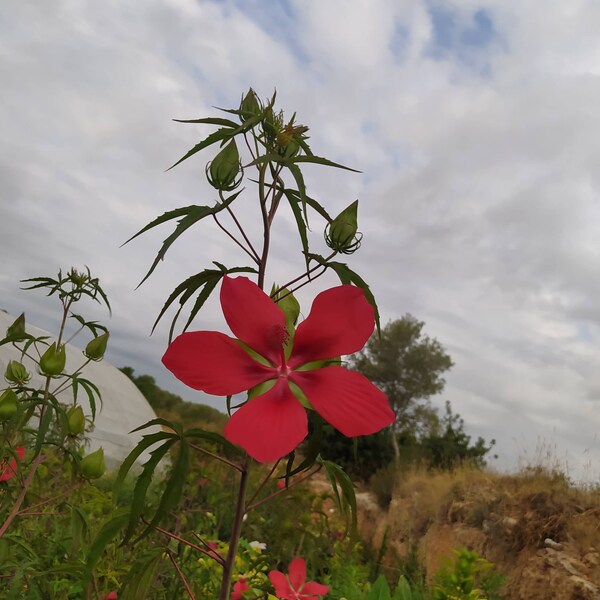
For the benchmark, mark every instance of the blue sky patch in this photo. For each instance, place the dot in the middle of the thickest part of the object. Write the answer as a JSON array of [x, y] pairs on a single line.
[[466, 39]]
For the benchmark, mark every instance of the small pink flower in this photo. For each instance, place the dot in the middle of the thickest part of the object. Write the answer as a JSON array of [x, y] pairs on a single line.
[[281, 484], [295, 586], [7, 472], [239, 587], [111, 596]]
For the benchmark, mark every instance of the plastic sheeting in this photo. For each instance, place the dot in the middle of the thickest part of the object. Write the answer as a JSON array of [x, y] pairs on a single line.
[[123, 406]]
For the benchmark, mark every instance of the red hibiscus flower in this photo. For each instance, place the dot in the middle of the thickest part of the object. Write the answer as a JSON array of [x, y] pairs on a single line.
[[274, 423], [9, 471], [295, 586], [239, 587]]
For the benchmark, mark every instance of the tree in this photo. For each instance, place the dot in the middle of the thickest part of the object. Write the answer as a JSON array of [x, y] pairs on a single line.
[[452, 447], [408, 366]]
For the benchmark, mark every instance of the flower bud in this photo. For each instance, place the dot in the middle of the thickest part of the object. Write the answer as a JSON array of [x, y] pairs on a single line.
[[76, 420], [224, 169], [97, 347], [341, 233], [288, 304], [53, 360], [93, 465], [16, 372], [250, 106], [16, 331], [8, 405]]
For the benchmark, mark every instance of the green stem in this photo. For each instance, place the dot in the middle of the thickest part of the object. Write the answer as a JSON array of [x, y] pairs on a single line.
[[236, 531]]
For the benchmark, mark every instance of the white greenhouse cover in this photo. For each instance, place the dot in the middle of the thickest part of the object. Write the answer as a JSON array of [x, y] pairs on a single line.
[[123, 406]]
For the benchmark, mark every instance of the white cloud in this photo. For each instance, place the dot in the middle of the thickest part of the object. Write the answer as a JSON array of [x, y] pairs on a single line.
[[478, 202]]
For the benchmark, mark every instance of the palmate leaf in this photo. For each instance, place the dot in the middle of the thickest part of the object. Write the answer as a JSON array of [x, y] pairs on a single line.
[[347, 275], [188, 216], [207, 280]]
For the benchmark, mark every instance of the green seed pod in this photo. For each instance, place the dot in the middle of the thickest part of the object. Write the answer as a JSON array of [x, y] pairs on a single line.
[[93, 465], [224, 169], [16, 372], [53, 360], [8, 405], [97, 347], [76, 420], [16, 331], [341, 234], [250, 106]]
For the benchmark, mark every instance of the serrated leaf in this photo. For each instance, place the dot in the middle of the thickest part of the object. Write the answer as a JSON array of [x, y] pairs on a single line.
[[92, 392], [141, 487], [190, 215], [209, 278], [93, 326], [145, 443], [311, 202], [220, 135], [173, 488]]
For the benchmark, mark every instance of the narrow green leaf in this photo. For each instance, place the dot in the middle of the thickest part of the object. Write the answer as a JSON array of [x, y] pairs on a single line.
[[173, 488], [141, 576], [311, 453], [319, 160], [212, 436], [141, 487], [105, 536], [191, 216], [210, 121], [300, 222], [147, 441], [43, 428], [347, 501], [176, 427], [297, 174], [217, 136]]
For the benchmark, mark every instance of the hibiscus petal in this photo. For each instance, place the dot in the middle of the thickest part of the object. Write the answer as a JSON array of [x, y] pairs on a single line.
[[312, 589], [253, 317], [346, 399], [214, 363], [340, 322], [269, 426], [281, 585], [297, 573]]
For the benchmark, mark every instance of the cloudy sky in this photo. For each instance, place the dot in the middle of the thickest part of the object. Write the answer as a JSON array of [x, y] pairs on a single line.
[[475, 123]]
